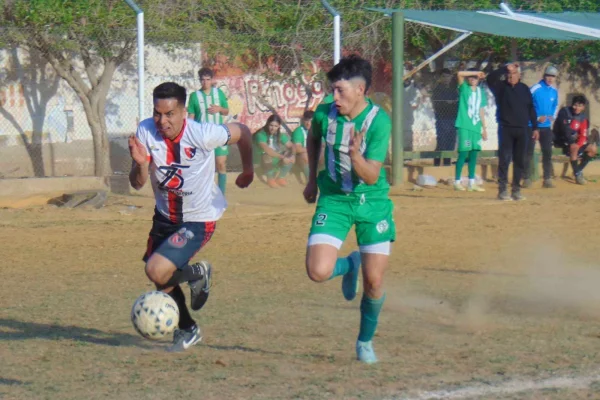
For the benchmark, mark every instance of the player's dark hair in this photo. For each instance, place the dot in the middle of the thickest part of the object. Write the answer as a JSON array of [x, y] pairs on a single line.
[[579, 99], [170, 90], [352, 67], [205, 72], [308, 115]]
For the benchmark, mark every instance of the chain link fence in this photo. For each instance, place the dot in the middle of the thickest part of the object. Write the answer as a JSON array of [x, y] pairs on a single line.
[[44, 130]]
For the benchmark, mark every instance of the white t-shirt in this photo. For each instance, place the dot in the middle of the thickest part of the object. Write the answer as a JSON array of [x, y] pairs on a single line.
[[182, 170]]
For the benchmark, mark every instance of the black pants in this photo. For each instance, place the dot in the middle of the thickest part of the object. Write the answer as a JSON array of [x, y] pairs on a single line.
[[546, 137], [514, 144]]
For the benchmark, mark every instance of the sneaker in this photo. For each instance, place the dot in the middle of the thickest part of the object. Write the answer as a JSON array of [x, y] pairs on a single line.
[[272, 183], [580, 179], [527, 183], [365, 352], [548, 184], [459, 187], [350, 279], [281, 182], [475, 188], [183, 339], [503, 195], [199, 288], [517, 196]]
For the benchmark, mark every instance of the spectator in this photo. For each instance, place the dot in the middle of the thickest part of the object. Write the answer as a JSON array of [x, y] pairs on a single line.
[[445, 108], [274, 151], [470, 124], [515, 111], [299, 140], [545, 100], [209, 104], [570, 132]]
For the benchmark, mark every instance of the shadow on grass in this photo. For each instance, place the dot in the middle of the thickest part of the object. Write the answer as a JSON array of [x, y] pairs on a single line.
[[20, 330], [12, 382], [245, 349]]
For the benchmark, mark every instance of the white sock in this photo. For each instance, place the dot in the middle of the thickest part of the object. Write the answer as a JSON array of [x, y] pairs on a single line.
[[457, 182], [471, 182]]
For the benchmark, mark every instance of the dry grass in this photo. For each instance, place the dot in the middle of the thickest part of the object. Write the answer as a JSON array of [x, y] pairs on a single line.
[[480, 294]]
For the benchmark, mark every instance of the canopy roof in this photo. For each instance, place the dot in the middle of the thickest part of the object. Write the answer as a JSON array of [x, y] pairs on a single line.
[[520, 25]]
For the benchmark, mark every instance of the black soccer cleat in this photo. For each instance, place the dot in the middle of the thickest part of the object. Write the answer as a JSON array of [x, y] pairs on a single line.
[[200, 288]]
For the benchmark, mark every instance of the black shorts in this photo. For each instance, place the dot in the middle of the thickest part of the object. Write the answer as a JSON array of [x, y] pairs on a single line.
[[567, 150], [177, 242]]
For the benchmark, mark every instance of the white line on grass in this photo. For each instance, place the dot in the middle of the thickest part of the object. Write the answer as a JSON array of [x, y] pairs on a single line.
[[510, 387]]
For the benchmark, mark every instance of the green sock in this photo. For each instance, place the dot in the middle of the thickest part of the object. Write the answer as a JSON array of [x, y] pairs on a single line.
[[462, 157], [369, 315], [222, 182], [342, 266], [472, 163], [284, 170]]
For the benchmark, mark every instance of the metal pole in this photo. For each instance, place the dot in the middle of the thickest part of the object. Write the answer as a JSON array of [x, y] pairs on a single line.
[[337, 41], [397, 98], [140, 45]]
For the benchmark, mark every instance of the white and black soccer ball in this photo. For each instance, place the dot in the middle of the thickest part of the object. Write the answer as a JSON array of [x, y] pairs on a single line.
[[155, 315]]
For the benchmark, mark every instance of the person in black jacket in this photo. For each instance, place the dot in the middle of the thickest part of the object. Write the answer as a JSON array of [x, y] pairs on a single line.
[[515, 112]]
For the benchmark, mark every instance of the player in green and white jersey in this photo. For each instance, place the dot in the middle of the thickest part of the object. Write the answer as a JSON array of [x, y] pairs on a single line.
[[274, 151], [299, 140], [209, 104], [470, 124], [353, 191]]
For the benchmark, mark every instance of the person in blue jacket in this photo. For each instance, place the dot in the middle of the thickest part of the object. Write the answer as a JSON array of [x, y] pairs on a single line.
[[545, 101]]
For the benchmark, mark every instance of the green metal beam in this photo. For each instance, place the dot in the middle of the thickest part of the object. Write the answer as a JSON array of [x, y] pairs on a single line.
[[397, 98]]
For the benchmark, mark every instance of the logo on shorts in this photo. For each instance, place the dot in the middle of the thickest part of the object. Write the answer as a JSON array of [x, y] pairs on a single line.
[[188, 234], [190, 152], [179, 239], [383, 226]]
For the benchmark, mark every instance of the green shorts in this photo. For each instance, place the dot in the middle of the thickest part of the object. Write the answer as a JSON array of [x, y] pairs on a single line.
[[222, 151], [469, 140], [372, 216]]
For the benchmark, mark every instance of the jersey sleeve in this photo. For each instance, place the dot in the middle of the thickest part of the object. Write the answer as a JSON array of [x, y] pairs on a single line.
[[484, 102], [378, 138], [260, 137], [142, 135], [193, 106], [209, 136], [319, 118], [298, 136], [223, 99], [284, 138]]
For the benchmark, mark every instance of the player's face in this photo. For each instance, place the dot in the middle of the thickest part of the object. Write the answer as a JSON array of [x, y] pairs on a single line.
[[549, 79], [307, 124], [513, 77], [273, 128], [206, 82], [347, 94], [168, 117], [578, 108], [473, 81]]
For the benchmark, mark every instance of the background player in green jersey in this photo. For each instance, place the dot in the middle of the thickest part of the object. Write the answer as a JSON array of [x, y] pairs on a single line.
[[470, 124], [353, 191], [299, 140], [209, 104], [275, 151]]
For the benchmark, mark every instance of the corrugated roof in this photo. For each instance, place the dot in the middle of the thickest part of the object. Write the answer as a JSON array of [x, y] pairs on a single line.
[[472, 21]]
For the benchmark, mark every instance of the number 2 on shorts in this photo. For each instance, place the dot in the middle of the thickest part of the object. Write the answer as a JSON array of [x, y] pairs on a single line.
[[321, 219]]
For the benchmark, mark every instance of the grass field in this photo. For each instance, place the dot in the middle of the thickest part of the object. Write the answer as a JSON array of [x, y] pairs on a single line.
[[486, 300]]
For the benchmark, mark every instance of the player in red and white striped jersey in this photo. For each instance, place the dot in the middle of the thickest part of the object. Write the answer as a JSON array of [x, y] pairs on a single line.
[[177, 154]]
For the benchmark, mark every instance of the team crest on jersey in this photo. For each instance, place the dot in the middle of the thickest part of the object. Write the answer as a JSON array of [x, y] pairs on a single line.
[[190, 152], [178, 239]]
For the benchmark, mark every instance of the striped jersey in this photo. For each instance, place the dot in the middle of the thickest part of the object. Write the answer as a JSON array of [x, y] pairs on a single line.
[[299, 136], [182, 170], [199, 103], [335, 129]]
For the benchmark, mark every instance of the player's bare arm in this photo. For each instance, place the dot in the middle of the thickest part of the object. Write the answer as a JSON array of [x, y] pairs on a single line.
[[367, 170], [270, 152], [139, 167], [241, 135], [214, 109], [313, 149], [461, 75]]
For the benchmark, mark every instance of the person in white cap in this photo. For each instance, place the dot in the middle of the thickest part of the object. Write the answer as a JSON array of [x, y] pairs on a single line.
[[545, 101]]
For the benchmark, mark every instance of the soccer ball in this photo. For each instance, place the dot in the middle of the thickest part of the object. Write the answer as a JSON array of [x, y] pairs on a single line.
[[155, 315]]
